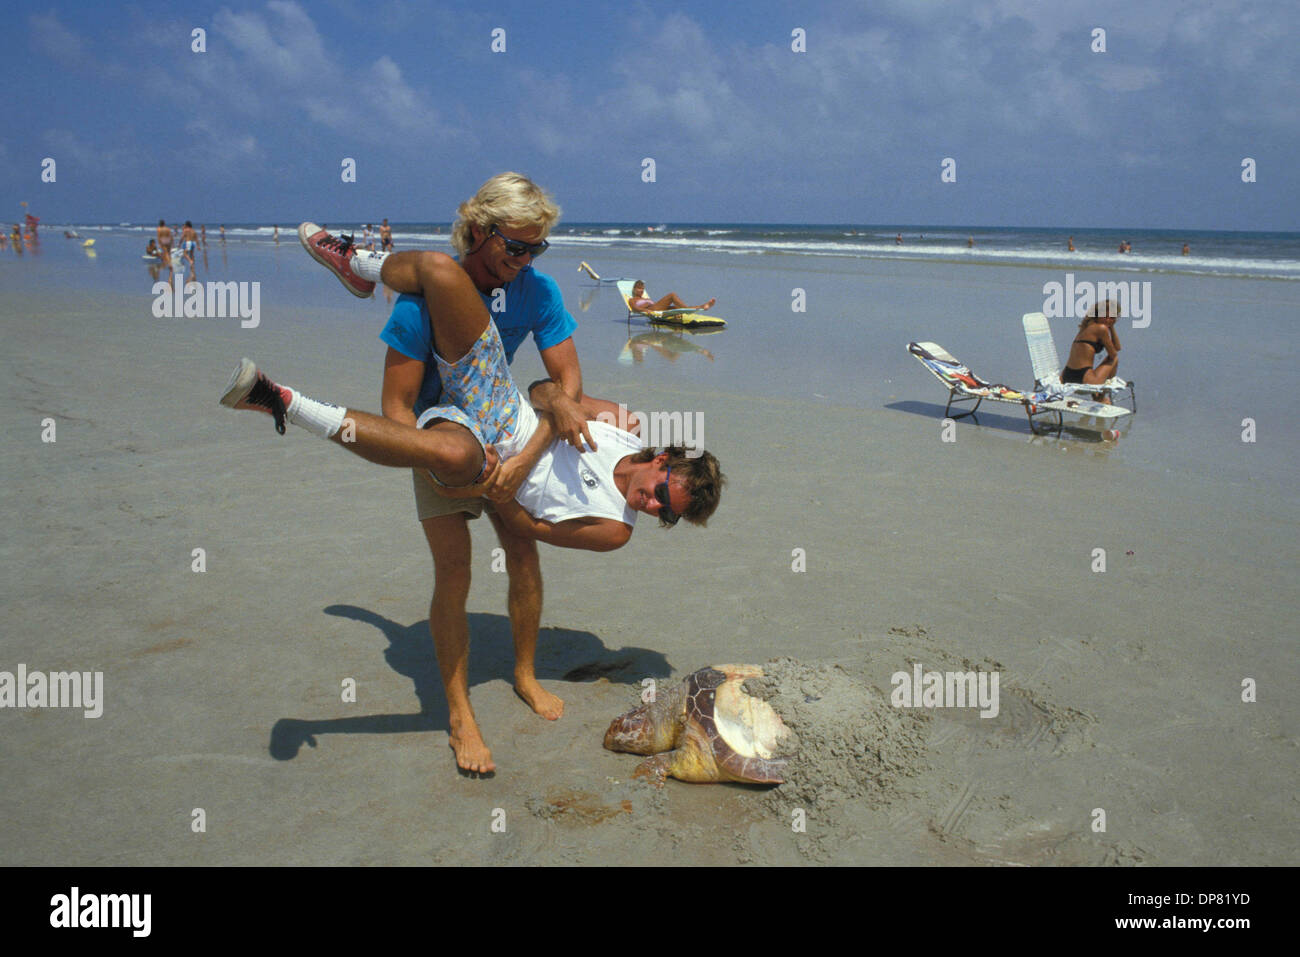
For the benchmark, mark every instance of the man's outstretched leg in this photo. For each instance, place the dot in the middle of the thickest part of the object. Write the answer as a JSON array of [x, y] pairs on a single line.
[[458, 314], [336, 253], [360, 269], [449, 450]]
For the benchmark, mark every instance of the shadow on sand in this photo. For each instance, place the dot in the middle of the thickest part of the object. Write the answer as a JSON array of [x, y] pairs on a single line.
[[563, 655], [1001, 423]]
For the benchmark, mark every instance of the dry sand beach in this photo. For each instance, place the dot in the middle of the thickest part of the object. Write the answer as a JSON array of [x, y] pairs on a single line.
[[1120, 690]]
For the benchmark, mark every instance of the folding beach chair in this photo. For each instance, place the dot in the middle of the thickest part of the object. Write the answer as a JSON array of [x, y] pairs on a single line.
[[1047, 367], [963, 385], [585, 267]]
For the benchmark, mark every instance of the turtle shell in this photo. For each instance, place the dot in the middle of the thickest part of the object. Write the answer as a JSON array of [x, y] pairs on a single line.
[[744, 733]]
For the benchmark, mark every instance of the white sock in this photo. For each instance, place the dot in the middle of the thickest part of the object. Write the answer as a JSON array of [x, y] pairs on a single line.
[[319, 418], [368, 265]]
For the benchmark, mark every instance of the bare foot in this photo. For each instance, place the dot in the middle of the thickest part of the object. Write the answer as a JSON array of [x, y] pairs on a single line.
[[539, 699], [472, 754], [709, 304]]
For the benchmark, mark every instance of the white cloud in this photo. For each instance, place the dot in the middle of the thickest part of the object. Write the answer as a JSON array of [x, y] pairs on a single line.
[[281, 63], [56, 41], [68, 148], [1123, 78]]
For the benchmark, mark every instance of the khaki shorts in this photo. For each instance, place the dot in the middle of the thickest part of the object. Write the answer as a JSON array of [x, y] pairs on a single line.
[[431, 503]]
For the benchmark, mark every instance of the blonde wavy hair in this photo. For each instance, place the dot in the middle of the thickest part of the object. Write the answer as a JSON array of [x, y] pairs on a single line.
[[507, 199]]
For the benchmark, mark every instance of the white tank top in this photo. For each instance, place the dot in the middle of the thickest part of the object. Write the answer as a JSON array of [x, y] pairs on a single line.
[[567, 483]]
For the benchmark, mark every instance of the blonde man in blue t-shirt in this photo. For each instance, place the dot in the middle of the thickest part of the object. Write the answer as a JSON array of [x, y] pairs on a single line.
[[498, 233]]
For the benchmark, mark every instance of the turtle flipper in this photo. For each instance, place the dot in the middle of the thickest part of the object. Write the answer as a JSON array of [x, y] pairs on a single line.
[[684, 764], [753, 770], [655, 768]]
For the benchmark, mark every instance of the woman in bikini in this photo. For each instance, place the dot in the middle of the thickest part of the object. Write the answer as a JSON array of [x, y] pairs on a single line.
[[1096, 332], [641, 303]]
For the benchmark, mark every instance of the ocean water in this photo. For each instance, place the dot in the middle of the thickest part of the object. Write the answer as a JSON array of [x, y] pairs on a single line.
[[821, 316], [1254, 255]]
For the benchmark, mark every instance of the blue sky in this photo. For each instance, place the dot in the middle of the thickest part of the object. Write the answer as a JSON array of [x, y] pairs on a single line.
[[1043, 131]]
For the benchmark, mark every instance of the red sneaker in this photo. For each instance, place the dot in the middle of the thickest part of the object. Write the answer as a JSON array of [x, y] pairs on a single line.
[[249, 388], [335, 254]]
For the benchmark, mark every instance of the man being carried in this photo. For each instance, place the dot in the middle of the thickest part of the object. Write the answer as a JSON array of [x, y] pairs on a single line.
[[570, 499]]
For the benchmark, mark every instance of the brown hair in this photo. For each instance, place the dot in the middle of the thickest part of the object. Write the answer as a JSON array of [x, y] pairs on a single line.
[[1100, 310], [703, 475]]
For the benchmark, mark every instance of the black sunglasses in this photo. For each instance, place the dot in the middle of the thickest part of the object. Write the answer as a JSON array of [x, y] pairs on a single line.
[[666, 513], [517, 247]]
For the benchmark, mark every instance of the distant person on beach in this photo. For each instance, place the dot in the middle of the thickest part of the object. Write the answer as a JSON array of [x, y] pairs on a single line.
[[368, 239], [1096, 333], [1070, 244], [165, 241], [898, 240], [1186, 249], [639, 302], [152, 249], [970, 241], [223, 233], [190, 244], [385, 237], [203, 235], [275, 234], [498, 233]]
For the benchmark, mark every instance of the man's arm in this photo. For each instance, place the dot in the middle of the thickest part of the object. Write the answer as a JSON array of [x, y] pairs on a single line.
[[596, 534], [403, 377], [564, 402], [1114, 340], [508, 476]]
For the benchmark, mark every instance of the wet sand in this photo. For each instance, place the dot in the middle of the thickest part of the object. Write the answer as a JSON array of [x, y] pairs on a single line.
[[1121, 690]]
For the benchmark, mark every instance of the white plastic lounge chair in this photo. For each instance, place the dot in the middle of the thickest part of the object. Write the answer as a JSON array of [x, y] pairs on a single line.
[[1047, 367], [963, 385], [686, 318]]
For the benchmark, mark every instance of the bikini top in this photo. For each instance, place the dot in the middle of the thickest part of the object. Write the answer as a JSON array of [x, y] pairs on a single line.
[[1097, 344]]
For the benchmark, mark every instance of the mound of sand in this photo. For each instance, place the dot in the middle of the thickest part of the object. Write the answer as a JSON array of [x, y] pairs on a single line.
[[850, 744]]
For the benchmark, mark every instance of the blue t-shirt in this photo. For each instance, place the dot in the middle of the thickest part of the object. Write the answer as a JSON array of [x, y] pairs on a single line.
[[532, 304]]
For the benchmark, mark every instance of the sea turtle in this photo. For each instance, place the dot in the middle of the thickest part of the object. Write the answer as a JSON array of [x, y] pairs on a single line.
[[705, 729]]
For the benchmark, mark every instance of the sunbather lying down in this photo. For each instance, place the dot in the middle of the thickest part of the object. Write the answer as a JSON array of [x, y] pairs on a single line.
[[640, 302], [572, 498]]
